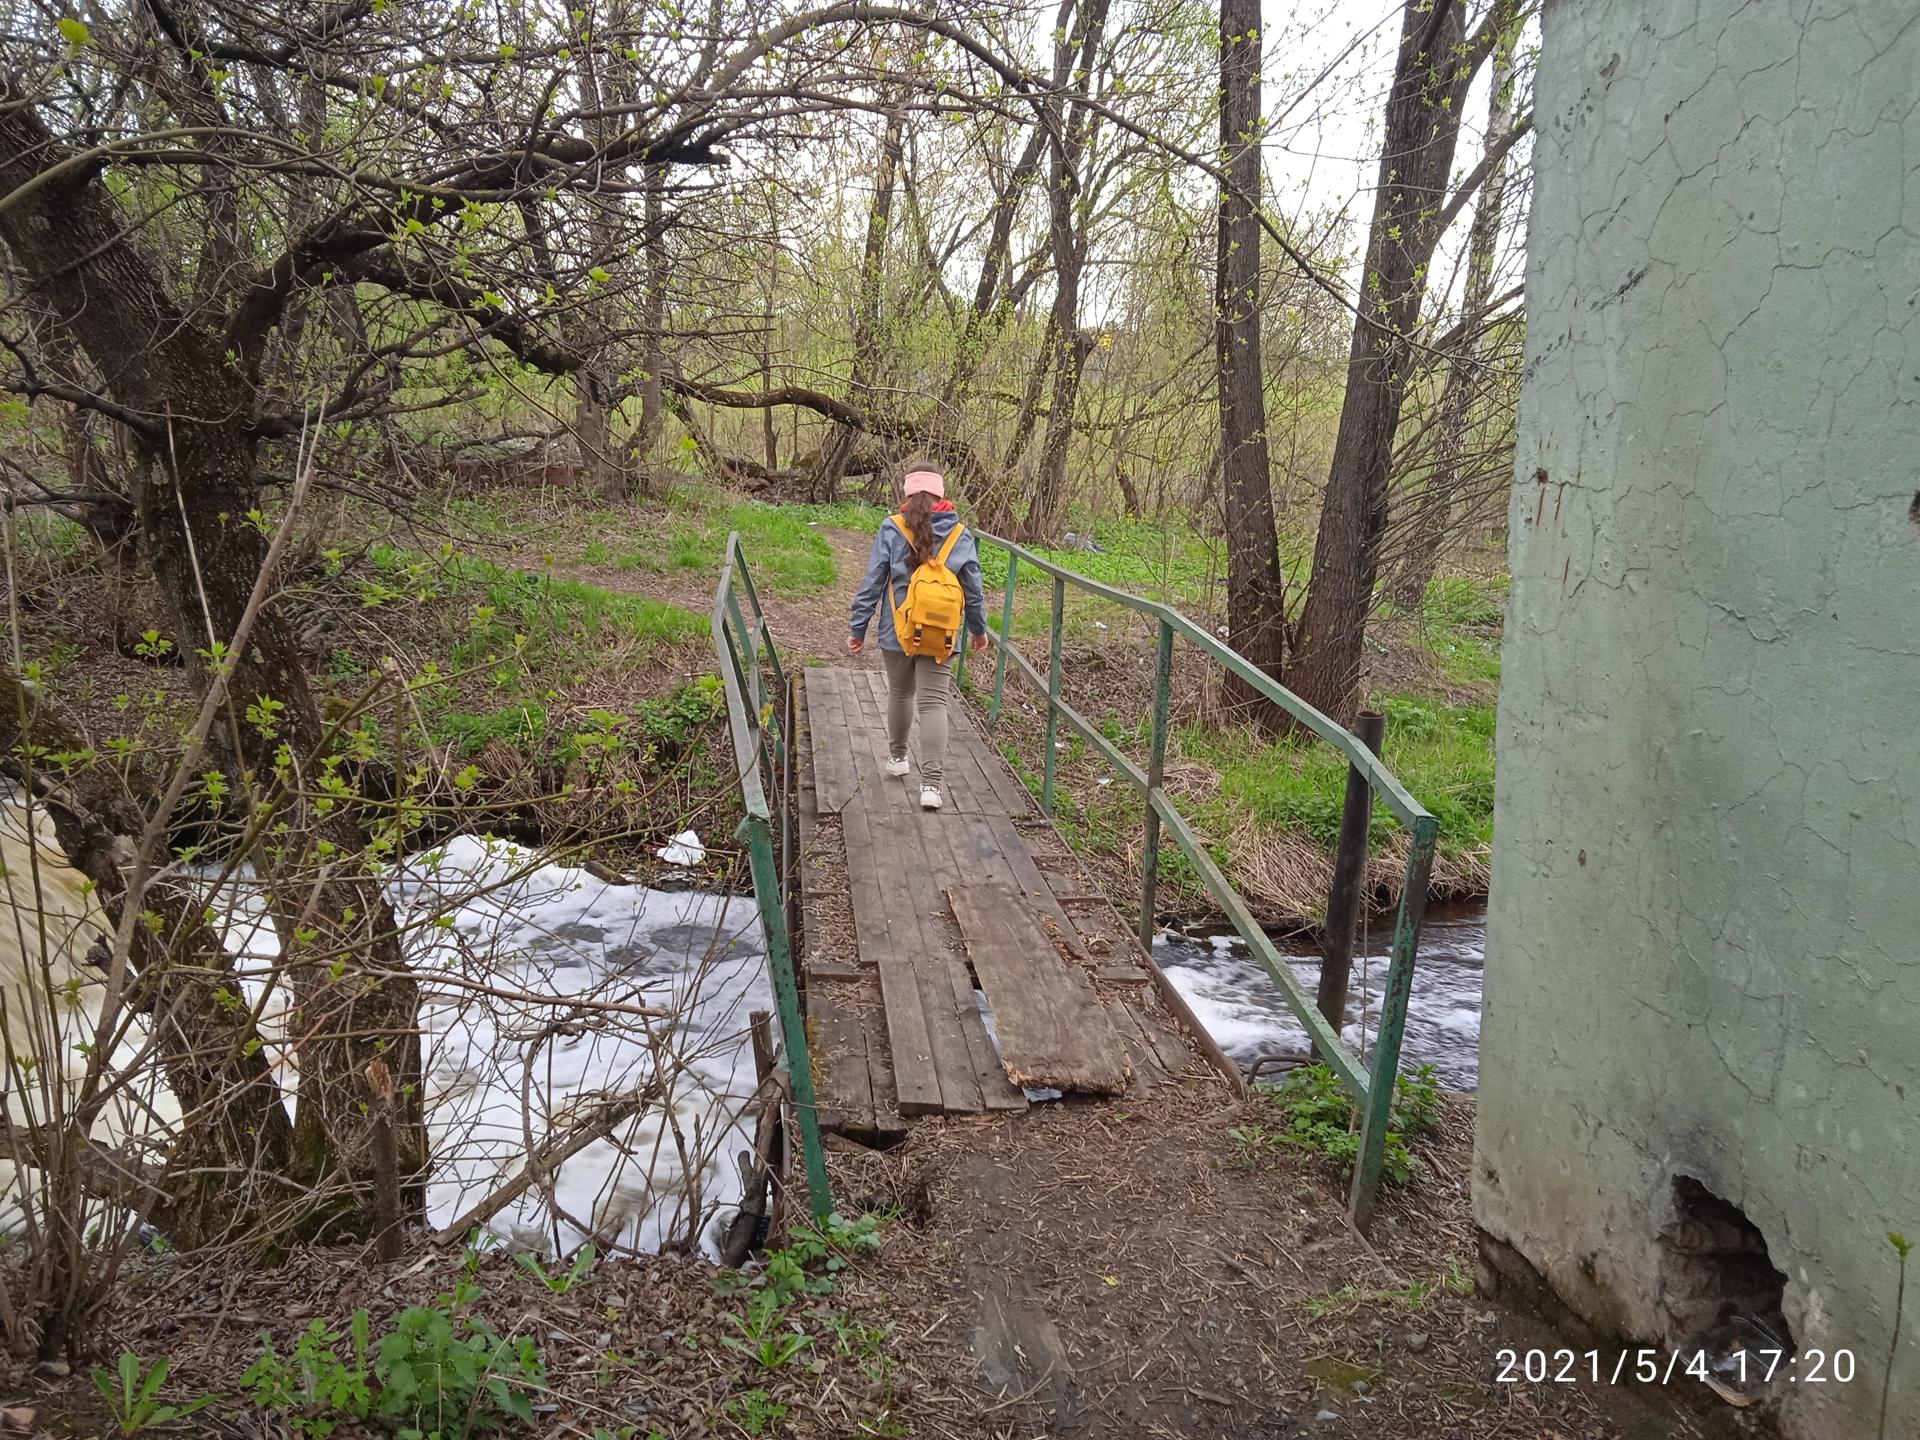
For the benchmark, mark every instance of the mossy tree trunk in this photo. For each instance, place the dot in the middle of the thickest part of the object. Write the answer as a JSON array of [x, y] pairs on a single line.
[[169, 379]]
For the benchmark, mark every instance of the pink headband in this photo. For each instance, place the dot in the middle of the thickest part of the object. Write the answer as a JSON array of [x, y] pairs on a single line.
[[927, 481]]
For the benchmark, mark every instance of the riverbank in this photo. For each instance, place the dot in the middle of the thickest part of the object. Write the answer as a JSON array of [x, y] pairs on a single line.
[[540, 669], [1147, 1279], [1269, 810]]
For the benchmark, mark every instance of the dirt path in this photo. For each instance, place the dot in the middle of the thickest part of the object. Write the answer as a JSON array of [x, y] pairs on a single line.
[[1104, 1274]]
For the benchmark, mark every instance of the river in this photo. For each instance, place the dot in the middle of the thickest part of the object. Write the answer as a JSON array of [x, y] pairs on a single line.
[[545, 992], [1239, 1003], [531, 976]]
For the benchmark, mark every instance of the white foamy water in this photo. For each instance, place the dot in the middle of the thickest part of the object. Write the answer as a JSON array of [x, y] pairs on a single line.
[[1235, 998], [507, 1070], [513, 956]]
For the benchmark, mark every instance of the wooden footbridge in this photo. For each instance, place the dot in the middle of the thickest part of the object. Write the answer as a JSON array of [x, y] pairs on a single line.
[[960, 962]]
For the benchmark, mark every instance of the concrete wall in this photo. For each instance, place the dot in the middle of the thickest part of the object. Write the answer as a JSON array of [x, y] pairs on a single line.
[[1704, 947]]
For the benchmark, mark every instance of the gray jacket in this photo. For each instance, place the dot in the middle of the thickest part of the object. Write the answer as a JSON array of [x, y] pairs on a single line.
[[891, 563]]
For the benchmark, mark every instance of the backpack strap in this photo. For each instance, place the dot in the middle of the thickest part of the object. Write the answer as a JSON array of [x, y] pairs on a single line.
[[953, 539], [893, 600]]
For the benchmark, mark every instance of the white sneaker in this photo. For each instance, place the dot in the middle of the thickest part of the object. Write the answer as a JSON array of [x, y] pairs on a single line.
[[896, 768], [930, 798]]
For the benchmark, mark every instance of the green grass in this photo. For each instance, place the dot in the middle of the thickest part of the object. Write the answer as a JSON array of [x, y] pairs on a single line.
[[1443, 754], [527, 634], [522, 726], [788, 555], [664, 727], [1171, 562], [1460, 623], [1440, 745]]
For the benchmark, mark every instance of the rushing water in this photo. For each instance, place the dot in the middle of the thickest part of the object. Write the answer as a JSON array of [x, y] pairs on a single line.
[[530, 973], [1239, 1003]]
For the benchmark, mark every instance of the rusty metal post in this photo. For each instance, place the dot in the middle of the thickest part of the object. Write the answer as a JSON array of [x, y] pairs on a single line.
[[1346, 895]]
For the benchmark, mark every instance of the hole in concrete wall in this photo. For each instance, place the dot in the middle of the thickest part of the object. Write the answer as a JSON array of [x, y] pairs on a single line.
[[1913, 510], [1719, 1290]]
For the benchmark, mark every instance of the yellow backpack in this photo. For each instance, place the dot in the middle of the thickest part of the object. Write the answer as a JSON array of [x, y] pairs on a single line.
[[930, 619]]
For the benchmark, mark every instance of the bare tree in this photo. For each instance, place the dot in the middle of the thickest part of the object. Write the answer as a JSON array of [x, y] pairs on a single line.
[[1436, 63], [1425, 527], [1256, 585]]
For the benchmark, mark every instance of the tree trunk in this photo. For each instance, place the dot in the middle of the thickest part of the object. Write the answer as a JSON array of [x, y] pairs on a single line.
[[1068, 128], [1000, 501], [1425, 533], [866, 325], [596, 386], [1256, 585], [354, 1001], [653, 323], [993, 267], [1431, 76]]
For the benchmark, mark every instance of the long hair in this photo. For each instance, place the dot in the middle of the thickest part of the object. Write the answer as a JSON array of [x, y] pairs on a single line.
[[918, 513]]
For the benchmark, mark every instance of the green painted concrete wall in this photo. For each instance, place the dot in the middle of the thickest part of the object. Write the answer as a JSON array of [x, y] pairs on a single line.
[[1704, 946]]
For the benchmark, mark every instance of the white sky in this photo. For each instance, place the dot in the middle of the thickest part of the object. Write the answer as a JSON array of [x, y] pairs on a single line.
[[1323, 142]]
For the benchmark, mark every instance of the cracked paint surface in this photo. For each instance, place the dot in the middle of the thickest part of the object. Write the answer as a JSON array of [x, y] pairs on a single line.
[[1704, 941]]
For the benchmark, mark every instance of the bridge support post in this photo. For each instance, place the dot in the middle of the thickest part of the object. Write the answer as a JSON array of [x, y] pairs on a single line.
[[1345, 896], [1156, 769], [1393, 1024]]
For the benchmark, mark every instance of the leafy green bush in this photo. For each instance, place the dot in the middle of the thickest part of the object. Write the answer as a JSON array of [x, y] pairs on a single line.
[[522, 726], [1317, 1115], [314, 1391], [132, 1395], [444, 1376], [438, 1374]]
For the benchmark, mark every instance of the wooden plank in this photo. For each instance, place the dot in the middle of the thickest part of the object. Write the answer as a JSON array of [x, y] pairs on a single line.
[[887, 1122], [916, 1081], [1012, 795], [838, 1044], [840, 970], [1169, 1044], [1053, 1029], [1008, 795], [834, 776], [899, 847], [945, 865], [867, 721]]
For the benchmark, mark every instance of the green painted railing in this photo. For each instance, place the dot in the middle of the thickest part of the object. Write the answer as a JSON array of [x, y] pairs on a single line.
[[760, 719], [1371, 1087]]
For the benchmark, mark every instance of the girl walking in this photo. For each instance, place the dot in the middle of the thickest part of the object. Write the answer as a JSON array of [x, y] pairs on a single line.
[[927, 531]]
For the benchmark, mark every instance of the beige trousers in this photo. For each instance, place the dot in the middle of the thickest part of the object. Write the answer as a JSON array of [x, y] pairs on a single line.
[[917, 685]]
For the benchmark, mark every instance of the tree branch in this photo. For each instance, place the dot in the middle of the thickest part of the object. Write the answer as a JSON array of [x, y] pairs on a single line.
[[1477, 176]]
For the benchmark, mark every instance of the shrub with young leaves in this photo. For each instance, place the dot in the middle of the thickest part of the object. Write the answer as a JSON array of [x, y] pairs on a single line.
[[132, 1394], [1316, 1114], [314, 1391], [443, 1375]]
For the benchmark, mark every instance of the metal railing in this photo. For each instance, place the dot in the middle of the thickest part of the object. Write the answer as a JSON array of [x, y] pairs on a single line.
[[760, 719], [1372, 1088]]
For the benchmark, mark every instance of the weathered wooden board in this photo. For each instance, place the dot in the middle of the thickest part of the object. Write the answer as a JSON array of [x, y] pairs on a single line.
[[827, 702], [916, 1080], [837, 1044], [946, 866], [1053, 1029], [938, 899], [922, 864]]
